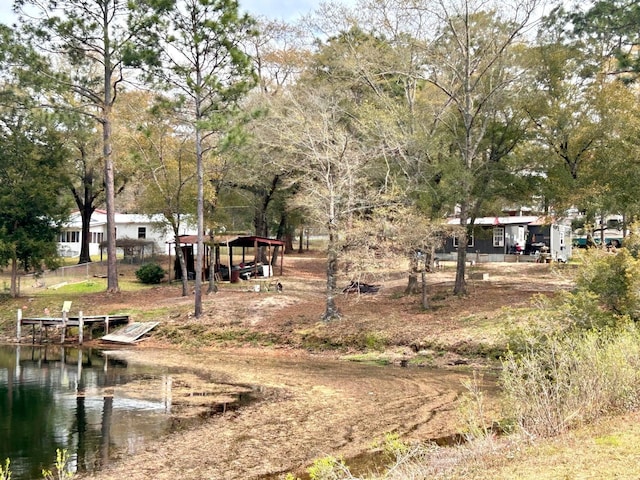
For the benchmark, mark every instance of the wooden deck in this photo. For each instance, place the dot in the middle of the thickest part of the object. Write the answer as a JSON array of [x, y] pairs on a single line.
[[63, 323]]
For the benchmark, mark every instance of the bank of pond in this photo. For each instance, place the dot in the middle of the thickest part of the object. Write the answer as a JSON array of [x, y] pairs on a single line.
[[88, 402]]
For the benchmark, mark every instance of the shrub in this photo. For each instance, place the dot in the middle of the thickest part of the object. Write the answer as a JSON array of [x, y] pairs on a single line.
[[614, 279], [62, 471], [573, 379], [329, 468], [632, 242], [150, 273]]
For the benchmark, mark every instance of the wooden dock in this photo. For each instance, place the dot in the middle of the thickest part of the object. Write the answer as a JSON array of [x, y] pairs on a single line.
[[64, 322]]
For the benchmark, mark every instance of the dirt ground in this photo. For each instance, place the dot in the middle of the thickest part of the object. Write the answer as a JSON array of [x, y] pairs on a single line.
[[238, 315], [314, 402]]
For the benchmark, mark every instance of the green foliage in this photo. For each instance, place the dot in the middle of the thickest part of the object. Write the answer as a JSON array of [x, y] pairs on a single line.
[[632, 242], [5, 472], [374, 341], [607, 295], [150, 273], [31, 182], [393, 447], [472, 410], [613, 279], [575, 357], [61, 467], [328, 468]]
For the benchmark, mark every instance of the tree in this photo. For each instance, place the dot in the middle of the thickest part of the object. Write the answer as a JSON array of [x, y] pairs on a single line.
[[593, 52], [85, 179], [166, 165], [279, 55], [608, 31], [194, 48], [471, 62], [91, 36], [32, 180], [317, 135], [440, 81]]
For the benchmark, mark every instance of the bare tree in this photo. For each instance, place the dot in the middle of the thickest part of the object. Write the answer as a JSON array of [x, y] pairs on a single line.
[[319, 139]]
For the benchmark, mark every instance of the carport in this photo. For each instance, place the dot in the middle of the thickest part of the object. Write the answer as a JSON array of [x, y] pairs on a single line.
[[250, 246]]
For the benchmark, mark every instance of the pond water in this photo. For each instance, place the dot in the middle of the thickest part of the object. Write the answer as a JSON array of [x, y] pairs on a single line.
[[96, 407]]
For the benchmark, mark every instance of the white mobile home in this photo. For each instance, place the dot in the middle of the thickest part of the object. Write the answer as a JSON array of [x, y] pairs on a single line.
[[152, 228]]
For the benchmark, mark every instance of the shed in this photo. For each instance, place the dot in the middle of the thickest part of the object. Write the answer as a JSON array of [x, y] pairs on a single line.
[[262, 264], [262, 250]]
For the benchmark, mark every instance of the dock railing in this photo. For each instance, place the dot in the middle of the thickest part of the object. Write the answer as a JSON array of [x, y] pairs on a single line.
[[64, 322]]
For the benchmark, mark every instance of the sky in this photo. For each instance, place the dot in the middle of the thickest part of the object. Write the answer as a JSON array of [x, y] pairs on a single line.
[[277, 9]]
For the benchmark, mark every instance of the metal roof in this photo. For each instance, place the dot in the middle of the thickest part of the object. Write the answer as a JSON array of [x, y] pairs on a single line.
[[233, 240], [511, 220]]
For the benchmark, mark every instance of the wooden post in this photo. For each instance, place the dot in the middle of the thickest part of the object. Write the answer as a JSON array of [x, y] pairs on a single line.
[[19, 325], [80, 327], [66, 308], [64, 326], [106, 324], [79, 367]]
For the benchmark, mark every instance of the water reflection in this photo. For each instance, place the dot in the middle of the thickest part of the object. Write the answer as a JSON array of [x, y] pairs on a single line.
[[52, 397]]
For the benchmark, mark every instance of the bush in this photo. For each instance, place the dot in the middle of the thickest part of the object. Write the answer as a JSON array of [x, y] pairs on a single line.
[[572, 379], [632, 241], [151, 273], [576, 357], [614, 279]]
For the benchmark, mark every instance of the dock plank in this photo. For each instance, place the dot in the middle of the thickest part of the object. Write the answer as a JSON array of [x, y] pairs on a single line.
[[65, 322]]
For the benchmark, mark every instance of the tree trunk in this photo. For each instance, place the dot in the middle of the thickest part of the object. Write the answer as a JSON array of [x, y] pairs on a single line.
[[412, 286], [86, 211], [425, 297], [81, 421], [260, 217], [105, 430], [183, 268], [109, 171], [200, 252], [85, 197], [460, 287], [430, 266], [301, 241], [112, 261], [331, 311], [213, 286], [14, 278], [260, 220]]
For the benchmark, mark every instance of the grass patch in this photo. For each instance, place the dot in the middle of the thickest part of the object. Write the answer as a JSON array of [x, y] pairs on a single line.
[[80, 288], [422, 360], [369, 358], [573, 379], [194, 335]]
